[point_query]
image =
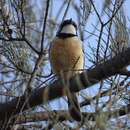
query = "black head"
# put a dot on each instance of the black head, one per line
(68, 22)
(69, 32)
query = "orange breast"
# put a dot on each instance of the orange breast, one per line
(66, 56)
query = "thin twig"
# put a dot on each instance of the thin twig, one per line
(67, 8)
(96, 11)
(113, 15)
(44, 25)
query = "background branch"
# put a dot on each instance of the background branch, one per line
(56, 89)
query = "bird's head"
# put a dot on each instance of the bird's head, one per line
(68, 27)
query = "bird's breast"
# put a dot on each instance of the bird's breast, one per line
(66, 55)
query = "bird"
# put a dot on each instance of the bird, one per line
(67, 59)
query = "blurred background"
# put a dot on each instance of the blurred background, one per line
(27, 28)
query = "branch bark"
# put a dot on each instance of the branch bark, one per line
(62, 115)
(55, 90)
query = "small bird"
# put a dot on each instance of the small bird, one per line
(67, 59)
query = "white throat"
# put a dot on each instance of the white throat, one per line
(69, 29)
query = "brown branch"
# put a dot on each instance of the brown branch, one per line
(62, 115)
(56, 89)
(59, 115)
(125, 73)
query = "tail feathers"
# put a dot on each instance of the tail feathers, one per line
(74, 108)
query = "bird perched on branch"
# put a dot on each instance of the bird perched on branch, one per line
(67, 59)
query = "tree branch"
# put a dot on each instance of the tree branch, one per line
(62, 115)
(56, 89)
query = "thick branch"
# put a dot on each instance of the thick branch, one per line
(56, 89)
(64, 115)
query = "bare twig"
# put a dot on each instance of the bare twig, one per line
(44, 25)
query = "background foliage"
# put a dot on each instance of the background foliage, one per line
(27, 28)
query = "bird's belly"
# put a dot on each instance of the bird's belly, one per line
(66, 57)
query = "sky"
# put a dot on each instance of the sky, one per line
(61, 103)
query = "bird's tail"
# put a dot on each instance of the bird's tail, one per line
(73, 106)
